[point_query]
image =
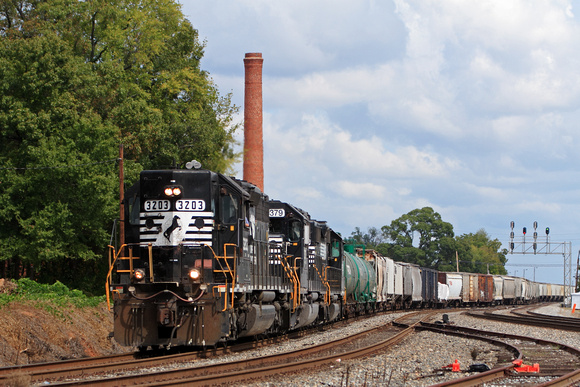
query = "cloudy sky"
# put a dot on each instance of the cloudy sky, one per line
(375, 108)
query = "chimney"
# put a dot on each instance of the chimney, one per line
(253, 144)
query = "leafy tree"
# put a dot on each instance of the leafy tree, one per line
(477, 252)
(76, 79)
(419, 237)
(371, 239)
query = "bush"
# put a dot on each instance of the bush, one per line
(57, 294)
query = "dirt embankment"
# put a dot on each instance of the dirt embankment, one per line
(33, 332)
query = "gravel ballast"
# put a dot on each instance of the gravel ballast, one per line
(418, 360)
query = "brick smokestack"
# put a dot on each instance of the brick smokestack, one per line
(253, 144)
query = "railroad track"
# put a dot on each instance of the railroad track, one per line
(558, 362)
(529, 317)
(75, 368)
(186, 373)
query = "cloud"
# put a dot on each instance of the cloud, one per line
(316, 141)
(357, 190)
(373, 109)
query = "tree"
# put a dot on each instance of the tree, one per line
(478, 253)
(419, 237)
(371, 239)
(76, 79)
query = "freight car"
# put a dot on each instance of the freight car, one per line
(208, 259)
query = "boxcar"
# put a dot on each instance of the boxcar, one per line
(470, 292)
(412, 284)
(454, 282)
(485, 287)
(379, 263)
(519, 289)
(509, 290)
(429, 284)
(497, 289)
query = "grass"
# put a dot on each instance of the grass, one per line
(48, 296)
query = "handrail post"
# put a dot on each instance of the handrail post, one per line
(150, 249)
(107, 283)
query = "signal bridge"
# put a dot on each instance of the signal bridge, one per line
(519, 245)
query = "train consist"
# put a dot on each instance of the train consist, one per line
(209, 259)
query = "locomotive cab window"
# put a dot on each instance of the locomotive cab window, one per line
(229, 208)
(276, 226)
(295, 231)
(134, 208)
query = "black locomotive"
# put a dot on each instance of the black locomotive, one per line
(209, 258)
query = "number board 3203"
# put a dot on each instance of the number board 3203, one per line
(190, 205)
(157, 205)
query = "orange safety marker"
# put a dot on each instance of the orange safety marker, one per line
(573, 308)
(520, 367)
(454, 366)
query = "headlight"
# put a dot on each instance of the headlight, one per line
(139, 275)
(194, 274)
(172, 191)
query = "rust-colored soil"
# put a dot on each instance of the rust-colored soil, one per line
(37, 331)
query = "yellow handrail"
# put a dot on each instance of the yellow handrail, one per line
(298, 298)
(229, 270)
(295, 282)
(290, 274)
(326, 285)
(111, 270)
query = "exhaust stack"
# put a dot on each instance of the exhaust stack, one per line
(253, 143)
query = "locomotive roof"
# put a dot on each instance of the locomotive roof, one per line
(305, 214)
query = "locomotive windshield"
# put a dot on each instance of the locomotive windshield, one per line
(295, 231)
(229, 206)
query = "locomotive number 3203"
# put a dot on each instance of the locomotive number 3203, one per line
(157, 205)
(180, 205)
(190, 205)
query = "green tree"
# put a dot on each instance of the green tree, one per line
(419, 237)
(371, 239)
(76, 79)
(478, 252)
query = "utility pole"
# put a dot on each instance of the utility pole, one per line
(121, 198)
